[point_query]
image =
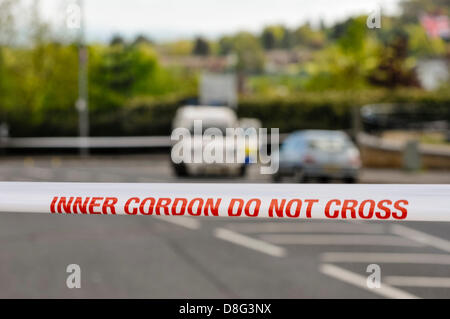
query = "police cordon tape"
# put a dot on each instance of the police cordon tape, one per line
(287, 201)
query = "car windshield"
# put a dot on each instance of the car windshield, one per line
(206, 129)
(328, 143)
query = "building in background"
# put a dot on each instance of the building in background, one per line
(432, 73)
(218, 89)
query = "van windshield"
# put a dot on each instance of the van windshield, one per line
(222, 127)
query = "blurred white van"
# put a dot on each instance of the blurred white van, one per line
(211, 117)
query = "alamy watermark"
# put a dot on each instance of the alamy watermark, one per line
(374, 279)
(229, 145)
(74, 279)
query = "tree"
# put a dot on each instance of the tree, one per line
(287, 41)
(142, 39)
(117, 40)
(276, 37)
(201, 47)
(6, 36)
(268, 39)
(306, 36)
(225, 45)
(179, 47)
(392, 70)
(249, 53)
(346, 64)
(338, 30)
(421, 45)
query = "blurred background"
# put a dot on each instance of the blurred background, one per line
(91, 90)
(97, 68)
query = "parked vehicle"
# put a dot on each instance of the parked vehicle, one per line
(319, 154)
(212, 117)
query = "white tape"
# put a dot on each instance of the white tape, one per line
(287, 201)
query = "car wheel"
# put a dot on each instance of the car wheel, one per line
(276, 178)
(242, 170)
(300, 176)
(350, 180)
(180, 170)
(305, 179)
(324, 179)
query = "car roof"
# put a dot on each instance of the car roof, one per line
(194, 111)
(212, 116)
(311, 134)
(206, 112)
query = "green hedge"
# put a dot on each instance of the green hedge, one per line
(139, 116)
(152, 116)
(333, 110)
(143, 116)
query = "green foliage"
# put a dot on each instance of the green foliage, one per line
(201, 47)
(420, 45)
(177, 48)
(304, 36)
(131, 93)
(225, 45)
(332, 109)
(276, 85)
(249, 53)
(276, 37)
(325, 110)
(346, 64)
(393, 69)
(40, 86)
(148, 116)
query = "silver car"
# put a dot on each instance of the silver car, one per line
(319, 154)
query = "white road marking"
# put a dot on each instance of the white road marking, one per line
(360, 281)
(407, 281)
(394, 258)
(181, 221)
(421, 237)
(274, 227)
(350, 240)
(249, 242)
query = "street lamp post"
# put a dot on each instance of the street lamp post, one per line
(82, 104)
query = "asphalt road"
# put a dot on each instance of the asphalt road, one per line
(182, 257)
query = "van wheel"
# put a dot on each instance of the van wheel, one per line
(324, 179)
(350, 180)
(242, 171)
(304, 179)
(276, 178)
(180, 170)
(300, 176)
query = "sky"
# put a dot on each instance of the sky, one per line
(172, 19)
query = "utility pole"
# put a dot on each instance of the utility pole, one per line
(82, 104)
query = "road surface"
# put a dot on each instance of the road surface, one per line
(182, 257)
